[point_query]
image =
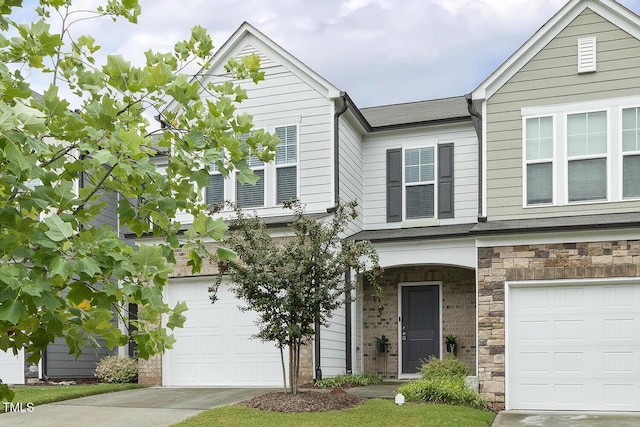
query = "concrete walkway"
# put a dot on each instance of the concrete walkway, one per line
(157, 407)
(566, 419)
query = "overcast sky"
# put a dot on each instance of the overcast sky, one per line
(379, 51)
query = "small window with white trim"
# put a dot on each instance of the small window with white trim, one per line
(252, 195)
(631, 152)
(419, 180)
(539, 147)
(587, 156)
(286, 163)
(214, 193)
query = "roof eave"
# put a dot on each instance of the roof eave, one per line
(443, 121)
(609, 9)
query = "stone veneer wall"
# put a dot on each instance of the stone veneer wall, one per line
(150, 371)
(535, 262)
(458, 314)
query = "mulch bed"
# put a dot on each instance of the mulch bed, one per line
(307, 401)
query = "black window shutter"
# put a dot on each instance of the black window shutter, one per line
(445, 181)
(394, 185)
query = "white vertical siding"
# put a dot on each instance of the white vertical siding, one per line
(465, 170)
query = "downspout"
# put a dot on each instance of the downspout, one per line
(332, 209)
(476, 118)
(336, 152)
(347, 320)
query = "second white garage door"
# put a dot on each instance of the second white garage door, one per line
(574, 347)
(215, 348)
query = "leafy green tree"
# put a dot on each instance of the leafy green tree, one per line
(61, 276)
(293, 282)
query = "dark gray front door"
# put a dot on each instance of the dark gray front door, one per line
(420, 322)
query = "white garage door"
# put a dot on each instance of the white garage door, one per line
(12, 367)
(215, 347)
(574, 347)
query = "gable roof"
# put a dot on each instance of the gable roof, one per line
(247, 34)
(608, 9)
(430, 112)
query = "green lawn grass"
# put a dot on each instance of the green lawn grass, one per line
(47, 394)
(374, 412)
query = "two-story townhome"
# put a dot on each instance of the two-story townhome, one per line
(398, 163)
(507, 218)
(558, 242)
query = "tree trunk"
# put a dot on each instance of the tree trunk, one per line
(291, 377)
(284, 370)
(298, 347)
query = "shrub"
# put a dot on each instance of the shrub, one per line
(349, 380)
(116, 369)
(443, 382)
(447, 390)
(446, 367)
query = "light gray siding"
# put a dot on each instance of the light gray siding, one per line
(551, 78)
(333, 350)
(351, 169)
(465, 142)
(286, 97)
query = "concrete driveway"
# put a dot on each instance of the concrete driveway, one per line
(566, 419)
(157, 407)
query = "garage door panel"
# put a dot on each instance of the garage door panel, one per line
(619, 362)
(568, 394)
(616, 329)
(216, 348)
(621, 397)
(532, 362)
(569, 362)
(580, 352)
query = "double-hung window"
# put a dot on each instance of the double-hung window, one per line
(277, 181)
(631, 152)
(248, 195)
(586, 152)
(587, 148)
(419, 179)
(286, 163)
(214, 194)
(539, 160)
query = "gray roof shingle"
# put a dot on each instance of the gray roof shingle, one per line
(421, 112)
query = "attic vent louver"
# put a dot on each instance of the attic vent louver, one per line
(587, 55)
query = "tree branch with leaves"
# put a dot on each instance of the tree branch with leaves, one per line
(295, 281)
(62, 275)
